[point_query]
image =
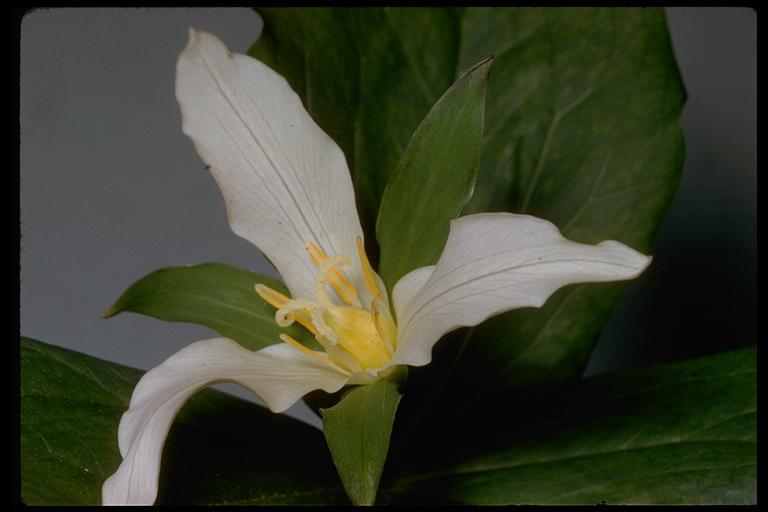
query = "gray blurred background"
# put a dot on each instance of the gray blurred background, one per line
(112, 190)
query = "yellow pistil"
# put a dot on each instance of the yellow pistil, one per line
(358, 335)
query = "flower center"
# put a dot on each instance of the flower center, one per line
(357, 333)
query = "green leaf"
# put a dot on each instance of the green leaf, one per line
(367, 76)
(221, 450)
(434, 179)
(582, 128)
(218, 296)
(678, 433)
(357, 430)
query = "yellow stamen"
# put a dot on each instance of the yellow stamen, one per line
(311, 353)
(273, 297)
(354, 337)
(341, 284)
(278, 300)
(316, 253)
(368, 274)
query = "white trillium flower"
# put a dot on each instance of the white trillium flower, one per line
(289, 192)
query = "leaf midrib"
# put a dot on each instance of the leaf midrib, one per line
(512, 465)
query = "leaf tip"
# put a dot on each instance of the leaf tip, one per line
(112, 311)
(480, 69)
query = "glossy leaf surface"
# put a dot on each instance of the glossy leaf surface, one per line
(678, 433)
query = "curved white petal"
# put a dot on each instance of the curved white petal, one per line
(407, 289)
(494, 262)
(285, 182)
(279, 374)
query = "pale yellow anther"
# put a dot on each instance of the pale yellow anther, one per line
(316, 253)
(338, 280)
(278, 301)
(368, 274)
(311, 353)
(273, 297)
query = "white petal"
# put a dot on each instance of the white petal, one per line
(285, 182)
(279, 374)
(407, 289)
(494, 262)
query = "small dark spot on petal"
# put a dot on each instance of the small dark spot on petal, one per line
(207, 167)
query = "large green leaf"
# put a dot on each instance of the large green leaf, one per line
(582, 128)
(434, 179)
(357, 430)
(221, 450)
(679, 433)
(675, 434)
(218, 296)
